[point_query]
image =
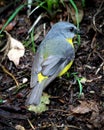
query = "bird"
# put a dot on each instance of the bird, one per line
(52, 59)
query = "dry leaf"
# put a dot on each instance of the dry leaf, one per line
(85, 107)
(95, 119)
(19, 127)
(16, 51)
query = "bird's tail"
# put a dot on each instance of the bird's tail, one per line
(35, 95)
(36, 92)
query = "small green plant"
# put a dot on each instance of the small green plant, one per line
(83, 3)
(79, 83)
(51, 6)
(77, 79)
(12, 17)
(32, 41)
(77, 18)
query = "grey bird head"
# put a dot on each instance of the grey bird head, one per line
(65, 29)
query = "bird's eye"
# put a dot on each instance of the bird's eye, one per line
(71, 29)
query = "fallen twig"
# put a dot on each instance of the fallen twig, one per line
(10, 74)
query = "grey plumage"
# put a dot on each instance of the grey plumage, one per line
(53, 54)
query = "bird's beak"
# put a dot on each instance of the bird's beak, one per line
(78, 32)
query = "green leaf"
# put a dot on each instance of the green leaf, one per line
(42, 106)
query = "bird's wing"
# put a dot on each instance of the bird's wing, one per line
(51, 65)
